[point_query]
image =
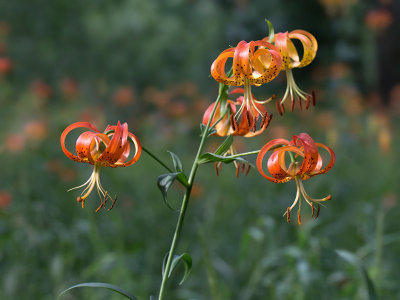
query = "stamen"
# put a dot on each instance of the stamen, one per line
(254, 123)
(313, 98)
(248, 118)
(288, 215)
(80, 199)
(113, 203)
(298, 217)
(242, 168)
(301, 103)
(264, 118)
(278, 107)
(308, 101)
(317, 212)
(268, 121)
(283, 108)
(312, 210)
(216, 168)
(248, 170)
(292, 106)
(237, 170)
(234, 123)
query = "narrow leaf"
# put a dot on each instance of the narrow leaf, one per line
(211, 131)
(271, 31)
(165, 181)
(225, 146)
(211, 157)
(176, 161)
(111, 287)
(186, 259)
(355, 261)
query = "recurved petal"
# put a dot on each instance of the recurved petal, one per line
(67, 131)
(267, 147)
(309, 43)
(331, 160)
(218, 68)
(138, 151)
(310, 152)
(241, 61)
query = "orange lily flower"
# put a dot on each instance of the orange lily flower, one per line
(290, 60)
(225, 123)
(302, 146)
(108, 149)
(253, 63)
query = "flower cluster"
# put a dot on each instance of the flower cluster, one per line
(251, 64)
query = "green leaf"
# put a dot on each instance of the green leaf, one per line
(186, 259)
(224, 146)
(355, 261)
(271, 31)
(177, 162)
(211, 131)
(165, 181)
(212, 157)
(111, 287)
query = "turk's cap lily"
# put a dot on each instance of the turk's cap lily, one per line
(254, 63)
(302, 147)
(290, 56)
(283, 41)
(239, 117)
(108, 149)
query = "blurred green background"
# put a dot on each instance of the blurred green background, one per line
(148, 63)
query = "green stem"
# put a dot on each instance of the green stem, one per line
(186, 197)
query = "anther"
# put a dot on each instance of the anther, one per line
(288, 215)
(317, 212)
(216, 168)
(80, 199)
(237, 170)
(234, 123)
(312, 210)
(268, 121)
(248, 118)
(255, 123)
(308, 101)
(292, 106)
(298, 217)
(282, 108)
(313, 98)
(248, 170)
(301, 103)
(113, 203)
(243, 166)
(278, 108)
(264, 118)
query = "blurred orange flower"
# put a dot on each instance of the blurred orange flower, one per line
(69, 88)
(5, 199)
(5, 65)
(123, 96)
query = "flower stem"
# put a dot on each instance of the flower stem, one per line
(186, 197)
